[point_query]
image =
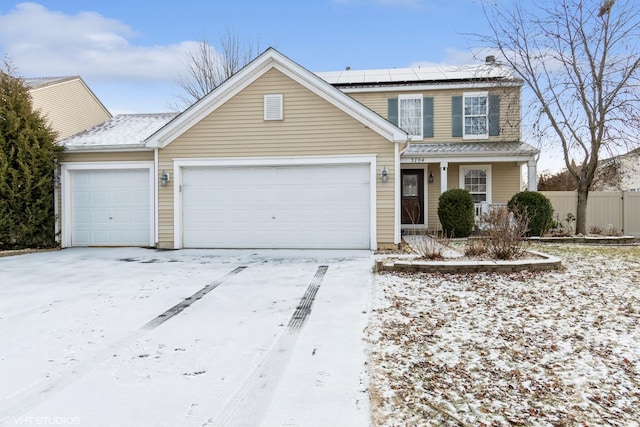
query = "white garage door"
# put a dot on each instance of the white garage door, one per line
(110, 207)
(325, 206)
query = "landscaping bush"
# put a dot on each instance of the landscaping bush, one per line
(456, 212)
(538, 209)
(505, 233)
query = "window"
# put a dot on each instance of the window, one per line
(410, 114)
(477, 180)
(476, 115)
(273, 107)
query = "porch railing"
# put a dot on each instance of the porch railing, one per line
(483, 208)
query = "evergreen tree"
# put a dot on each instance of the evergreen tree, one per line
(28, 158)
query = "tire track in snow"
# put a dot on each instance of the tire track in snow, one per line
(30, 397)
(250, 402)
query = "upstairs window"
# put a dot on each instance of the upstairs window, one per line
(410, 114)
(413, 114)
(476, 115)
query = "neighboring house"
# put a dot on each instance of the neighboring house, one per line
(619, 173)
(279, 157)
(67, 103)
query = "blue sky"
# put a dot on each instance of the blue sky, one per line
(131, 53)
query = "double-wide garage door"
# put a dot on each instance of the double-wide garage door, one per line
(318, 206)
(110, 207)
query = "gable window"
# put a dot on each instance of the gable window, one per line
(410, 114)
(273, 107)
(476, 115)
(477, 181)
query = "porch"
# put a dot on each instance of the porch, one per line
(491, 172)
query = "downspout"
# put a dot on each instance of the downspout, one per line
(397, 202)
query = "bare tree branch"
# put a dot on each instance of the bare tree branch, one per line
(209, 66)
(581, 61)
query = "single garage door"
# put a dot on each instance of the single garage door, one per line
(110, 207)
(324, 206)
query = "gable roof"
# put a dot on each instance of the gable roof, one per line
(38, 82)
(272, 59)
(122, 132)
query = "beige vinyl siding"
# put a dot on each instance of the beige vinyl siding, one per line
(70, 107)
(130, 156)
(505, 182)
(509, 111)
(311, 127)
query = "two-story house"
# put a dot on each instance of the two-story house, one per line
(280, 157)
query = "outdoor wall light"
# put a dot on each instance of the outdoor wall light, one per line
(164, 179)
(384, 174)
(430, 177)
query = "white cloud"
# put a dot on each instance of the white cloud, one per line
(40, 41)
(454, 56)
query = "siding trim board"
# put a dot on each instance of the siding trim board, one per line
(179, 164)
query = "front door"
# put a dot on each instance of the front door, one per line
(412, 196)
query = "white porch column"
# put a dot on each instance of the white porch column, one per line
(532, 176)
(443, 176)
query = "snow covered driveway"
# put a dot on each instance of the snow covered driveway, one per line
(138, 337)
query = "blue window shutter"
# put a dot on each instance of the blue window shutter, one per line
(427, 117)
(494, 115)
(392, 110)
(456, 116)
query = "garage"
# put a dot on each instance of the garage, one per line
(325, 206)
(108, 207)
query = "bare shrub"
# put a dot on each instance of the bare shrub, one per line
(506, 233)
(426, 245)
(609, 231)
(596, 229)
(475, 248)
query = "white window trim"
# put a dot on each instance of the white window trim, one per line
(466, 95)
(270, 98)
(419, 97)
(487, 169)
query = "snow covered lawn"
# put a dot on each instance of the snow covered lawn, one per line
(79, 342)
(532, 349)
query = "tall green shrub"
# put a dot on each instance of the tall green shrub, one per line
(537, 207)
(28, 155)
(456, 212)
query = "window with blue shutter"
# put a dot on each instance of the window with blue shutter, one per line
(392, 110)
(427, 117)
(494, 115)
(456, 116)
(475, 115)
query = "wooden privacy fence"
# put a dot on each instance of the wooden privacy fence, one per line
(619, 209)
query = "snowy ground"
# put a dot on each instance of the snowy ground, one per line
(79, 344)
(530, 349)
